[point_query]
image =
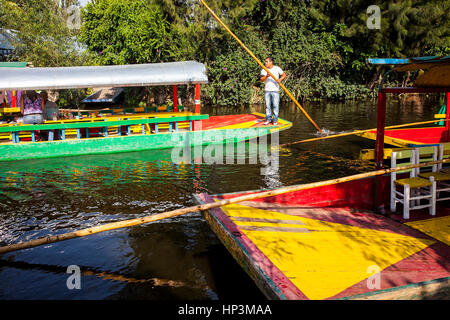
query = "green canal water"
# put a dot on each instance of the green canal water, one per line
(173, 259)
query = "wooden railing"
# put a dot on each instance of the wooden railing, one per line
(129, 110)
(102, 128)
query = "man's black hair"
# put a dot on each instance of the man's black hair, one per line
(270, 58)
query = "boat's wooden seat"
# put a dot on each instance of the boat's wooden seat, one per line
(438, 176)
(445, 170)
(416, 182)
(442, 178)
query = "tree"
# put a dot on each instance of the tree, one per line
(41, 34)
(408, 29)
(233, 75)
(197, 32)
(129, 31)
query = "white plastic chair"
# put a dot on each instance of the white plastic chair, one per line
(411, 191)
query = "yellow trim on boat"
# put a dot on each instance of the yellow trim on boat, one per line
(388, 140)
(241, 125)
(282, 124)
(10, 110)
(369, 154)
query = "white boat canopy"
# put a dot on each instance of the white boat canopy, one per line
(132, 75)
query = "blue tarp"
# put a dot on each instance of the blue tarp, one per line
(398, 61)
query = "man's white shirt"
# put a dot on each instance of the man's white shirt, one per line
(272, 85)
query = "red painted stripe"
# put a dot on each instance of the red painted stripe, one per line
(222, 121)
(422, 135)
(352, 194)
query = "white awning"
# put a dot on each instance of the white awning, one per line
(133, 75)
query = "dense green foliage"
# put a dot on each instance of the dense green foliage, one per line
(321, 45)
(121, 32)
(408, 29)
(42, 35)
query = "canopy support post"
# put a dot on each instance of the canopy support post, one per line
(197, 124)
(381, 121)
(379, 150)
(175, 99)
(197, 98)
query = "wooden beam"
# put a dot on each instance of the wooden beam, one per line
(197, 124)
(175, 99)
(379, 150)
(98, 124)
(197, 98)
(381, 121)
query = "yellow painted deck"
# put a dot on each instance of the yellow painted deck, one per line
(321, 258)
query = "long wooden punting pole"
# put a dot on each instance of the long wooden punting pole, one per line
(262, 65)
(361, 131)
(203, 207)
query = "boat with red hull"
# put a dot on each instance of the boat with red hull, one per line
(338, 240)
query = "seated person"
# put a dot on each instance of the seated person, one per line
(32, 106)
(51, 109)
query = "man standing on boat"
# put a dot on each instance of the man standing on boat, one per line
(272, 90)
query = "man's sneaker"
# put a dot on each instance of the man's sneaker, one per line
(266, 123)
(275, 123)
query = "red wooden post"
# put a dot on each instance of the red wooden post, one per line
(381, 121)
(197, 98)
(379, 151)
(175, 99)
(197, 124)
(13, 99)
(447, 117)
